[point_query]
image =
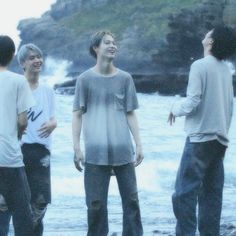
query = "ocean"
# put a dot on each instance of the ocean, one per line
(162, 144)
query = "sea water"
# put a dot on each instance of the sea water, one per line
(162, 144)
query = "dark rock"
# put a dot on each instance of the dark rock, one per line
(157, 41)
(164, 84)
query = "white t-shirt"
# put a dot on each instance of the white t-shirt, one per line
(42, 112)
(15, 98)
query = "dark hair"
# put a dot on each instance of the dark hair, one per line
(7, 50)
(96, 40)
(224, 42)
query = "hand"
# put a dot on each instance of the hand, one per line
(46, 129)
(139, 156)
(79, 160)
(171, 118)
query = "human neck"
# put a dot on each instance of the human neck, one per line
(33, 80)
(207, 52)
(105, 67)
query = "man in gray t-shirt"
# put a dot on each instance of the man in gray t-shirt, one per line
(105, 100)
(208, 108)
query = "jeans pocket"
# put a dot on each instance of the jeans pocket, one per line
(119, 101)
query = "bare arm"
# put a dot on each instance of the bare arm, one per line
(22, 123)
(133, 125)
(76, 132)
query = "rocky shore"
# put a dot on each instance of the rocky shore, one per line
(157, 40)
(168, 84)
(226, 230)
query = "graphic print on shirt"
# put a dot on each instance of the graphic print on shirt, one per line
(32, 114)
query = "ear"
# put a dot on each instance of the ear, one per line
(22, 65)
(95, 49)
(211, 41)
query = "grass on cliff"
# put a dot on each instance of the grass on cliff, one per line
(229, 14)
(148, 17)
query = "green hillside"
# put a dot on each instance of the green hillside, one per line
(149, 17)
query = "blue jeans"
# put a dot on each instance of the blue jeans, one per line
(15, 191)
(37, 169)
(200, 180)
(96, 181)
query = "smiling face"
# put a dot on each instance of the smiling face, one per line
(107, 48)
(33, 63)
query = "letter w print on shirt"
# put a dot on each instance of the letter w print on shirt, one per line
(32, 115)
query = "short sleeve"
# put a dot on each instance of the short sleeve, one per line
(25, 98)
(80, 98)
(131, 96)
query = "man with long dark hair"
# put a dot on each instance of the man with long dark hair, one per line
(208, 108)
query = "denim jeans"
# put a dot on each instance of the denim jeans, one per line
(5, 217)
(14, 190)
(37, 167)
(96, 181)
(200, 180)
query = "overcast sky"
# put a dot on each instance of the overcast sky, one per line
(11, 11)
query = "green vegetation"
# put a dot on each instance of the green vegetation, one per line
(229, 14)
(147, 17)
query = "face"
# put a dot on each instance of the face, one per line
(33, 63)
(208, 41)
(107, 47)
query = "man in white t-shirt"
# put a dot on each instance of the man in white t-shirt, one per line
(15, 99)
(36, 141)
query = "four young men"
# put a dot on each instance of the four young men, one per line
(108, 93)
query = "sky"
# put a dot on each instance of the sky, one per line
(12, 11)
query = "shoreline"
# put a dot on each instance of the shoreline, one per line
(165, 84)
(226, 230)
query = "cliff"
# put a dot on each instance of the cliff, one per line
(156, 39)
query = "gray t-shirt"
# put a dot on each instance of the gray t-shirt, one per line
(105, 101)
(208, 106)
